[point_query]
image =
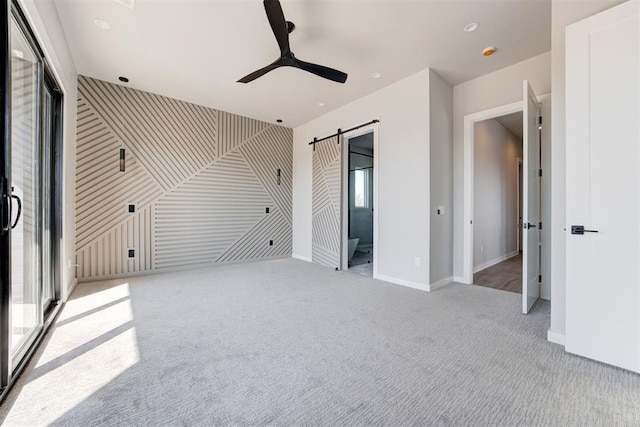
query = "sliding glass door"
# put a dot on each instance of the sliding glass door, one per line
(48, 200)
(26, 239)
(30, 205)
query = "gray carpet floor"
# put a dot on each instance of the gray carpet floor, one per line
(287, 342)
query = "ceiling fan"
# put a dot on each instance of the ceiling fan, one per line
(281, 29)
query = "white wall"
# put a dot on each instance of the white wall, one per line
(403, 172)
(563, 13)
(441, 145)
(495, 186)
(44, 21)
(499, 88)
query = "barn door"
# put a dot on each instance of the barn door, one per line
(326, 208)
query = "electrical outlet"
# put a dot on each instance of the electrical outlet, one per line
(440, 210)
(416, 261)
(266, 210)
(270, 242)
(132, 253)
(132, 208)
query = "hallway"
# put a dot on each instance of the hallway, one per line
(506, 276)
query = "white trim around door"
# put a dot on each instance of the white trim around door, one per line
(372, 128)
(469, 124)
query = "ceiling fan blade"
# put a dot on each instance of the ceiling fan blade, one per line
(259, 73)
(322, 71)
(278, 24)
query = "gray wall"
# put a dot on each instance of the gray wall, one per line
(441, 170)
(495, 202)
(496, 89)
(403, 158)
(200, 179)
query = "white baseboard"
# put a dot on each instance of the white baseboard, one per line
(301, 258)
(156, 271)
(440, 283)
(555, 337)
(71, 288)
(458, 279)
(495, 261)
(402, 282)
(544, 294)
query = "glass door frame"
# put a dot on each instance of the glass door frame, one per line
(54, 169)
(10, 371)
(5, 178)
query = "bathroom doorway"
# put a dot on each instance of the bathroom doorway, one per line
(360, 186)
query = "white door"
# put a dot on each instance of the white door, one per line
(531, 200)
(603, 187)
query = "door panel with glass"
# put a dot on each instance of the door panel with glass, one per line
(30, 205)
(25, 187)
(47, 207)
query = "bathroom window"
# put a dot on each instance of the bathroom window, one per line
(362, 188)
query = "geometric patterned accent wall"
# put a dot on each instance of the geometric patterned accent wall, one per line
(327, 173)
(200, 180)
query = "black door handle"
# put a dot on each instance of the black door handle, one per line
(528, 225)
(580, 230)
(15, 223)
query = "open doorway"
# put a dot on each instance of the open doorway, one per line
(360, 199)
(530, 109)
(497, 193)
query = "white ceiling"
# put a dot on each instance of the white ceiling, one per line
(513, 123)
(195, 50)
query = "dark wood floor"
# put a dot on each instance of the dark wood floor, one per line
(506, 276)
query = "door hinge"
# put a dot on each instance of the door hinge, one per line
(540, 278)
(539, 120)
(540, 225)
(539, 172)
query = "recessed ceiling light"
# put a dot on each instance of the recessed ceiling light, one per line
(123, 79)
(320, 104)
(488, 51)
(470, 27)
(376, 75)
(104, 25)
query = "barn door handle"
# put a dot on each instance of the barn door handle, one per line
(580, 230)
(15, 223)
